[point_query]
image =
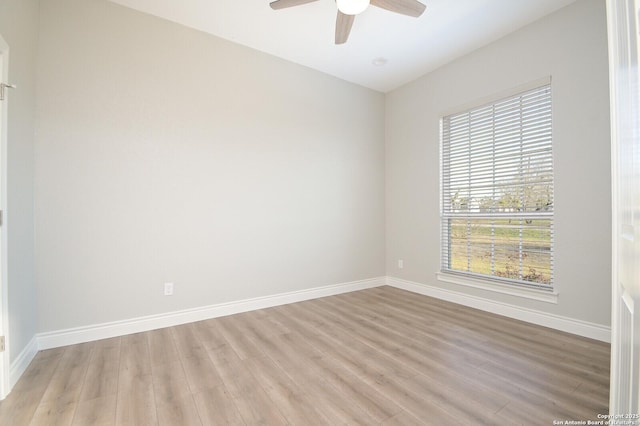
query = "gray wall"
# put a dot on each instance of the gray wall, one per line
(165, 154)
(19, 28)
(571, 46)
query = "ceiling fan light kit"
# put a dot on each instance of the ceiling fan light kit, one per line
(352, 7)
(348, 9)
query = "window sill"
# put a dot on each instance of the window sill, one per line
(519, 291)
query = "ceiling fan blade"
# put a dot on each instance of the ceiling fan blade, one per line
(282, 4)
(404, 7)
(343, 27)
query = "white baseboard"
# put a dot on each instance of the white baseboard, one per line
(72, 336)
(570, 325)
(54, 339)
(20, 364)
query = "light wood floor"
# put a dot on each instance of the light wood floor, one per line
(375, 357)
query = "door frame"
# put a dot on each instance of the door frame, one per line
(5, 366)
(625, 340)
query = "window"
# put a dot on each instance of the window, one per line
(497, 190)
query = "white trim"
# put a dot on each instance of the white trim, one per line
(541, 295)
(570, 325)
(20, 364)
(5, 368)
(76, 335)
(496, 97)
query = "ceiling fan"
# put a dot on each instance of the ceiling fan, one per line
(348, 9)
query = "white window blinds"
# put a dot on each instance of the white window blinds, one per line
(497, 190)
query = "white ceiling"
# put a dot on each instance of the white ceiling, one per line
(305, 34)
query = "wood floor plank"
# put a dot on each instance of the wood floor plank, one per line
(101, 379)
(442, 372)
(226, 362)
(402, 419)
(209, 334)
(135, 358)
(19, 407)
(335, 407)
(272, 324)
(187, 341)
(169, 381)
(294, 363)
(381, 356)
(40, 370)
(467, 411)
(232, 330)
(557, 383)
(179, 409)
(257, 323)
(100, 411)
(21, 404)
(254, 405)
(547, 386)
(303, 362)
(517, 413)
(361, 359)
(402, 332)
(200, 373)
(371, 339)
(292, 321)
(54, 412)
(288, 396)
(551, 343)
(136, 400)
(380, 407)
(555, 370)
(216, 407)
(65, 386)
(300, 314)
(413, 402)
(135, 403)
(162, 348)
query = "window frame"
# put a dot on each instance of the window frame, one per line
(531, 289)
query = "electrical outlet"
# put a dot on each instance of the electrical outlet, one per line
(168, 289)
(400, 263)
